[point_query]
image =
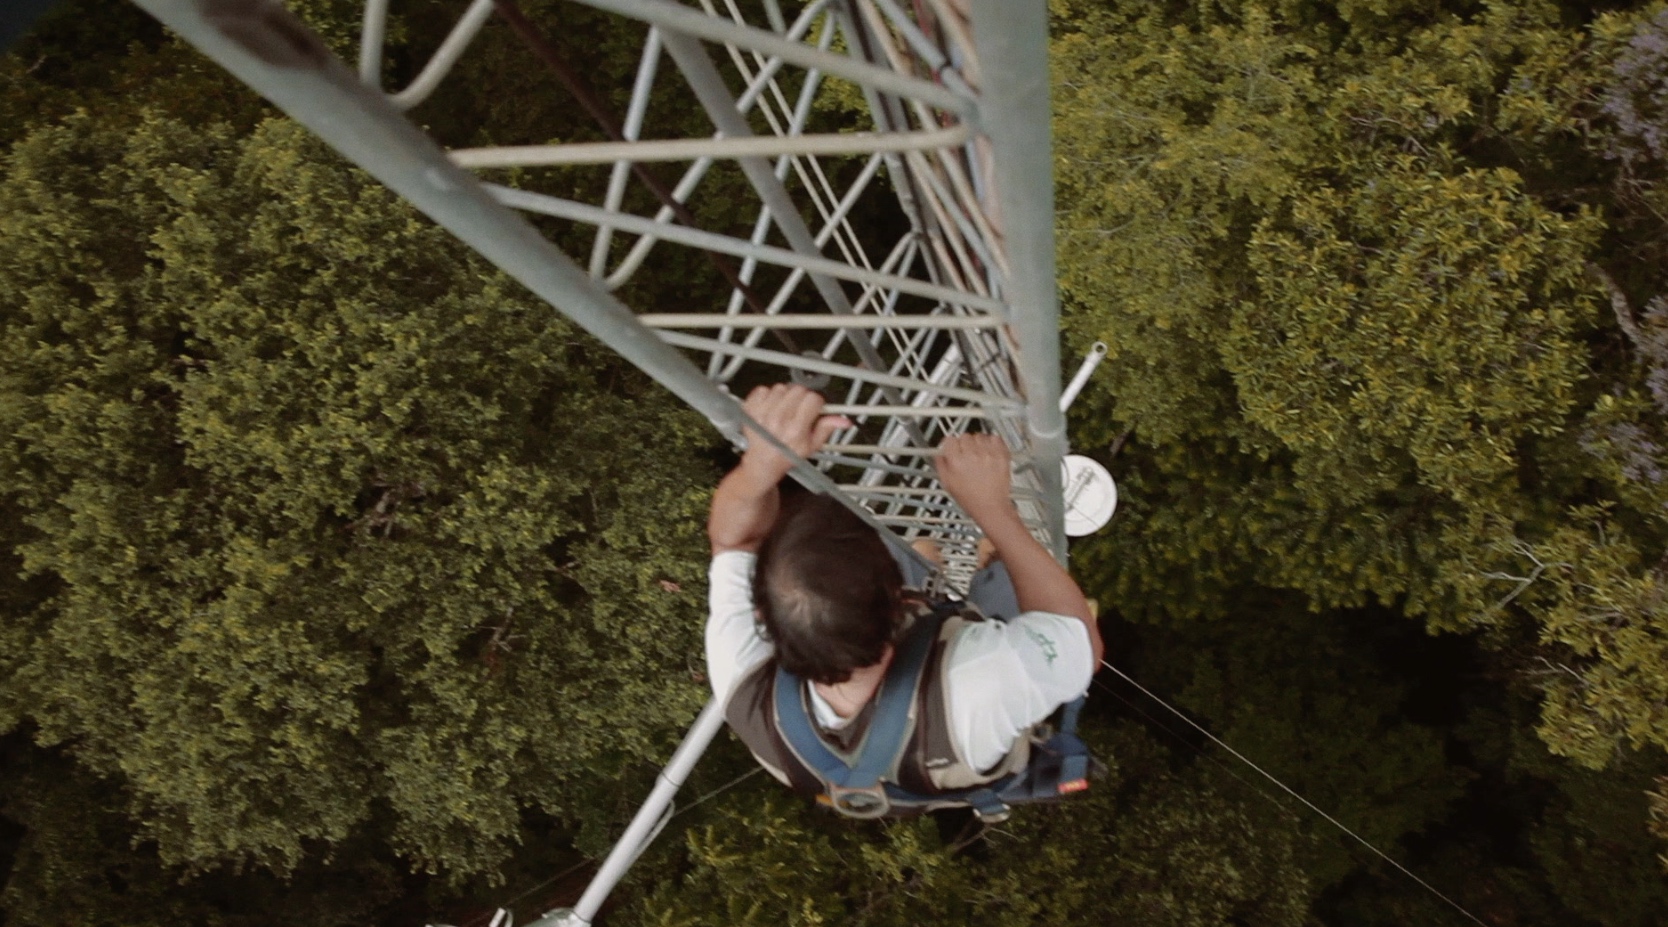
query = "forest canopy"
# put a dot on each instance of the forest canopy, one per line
(327, 599)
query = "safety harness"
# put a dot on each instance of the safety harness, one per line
(865, 784)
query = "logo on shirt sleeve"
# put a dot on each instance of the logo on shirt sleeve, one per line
(1043, 642)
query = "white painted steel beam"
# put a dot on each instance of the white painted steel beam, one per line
(889, 322)
(689, 149)
(675, 17)
(807, 260)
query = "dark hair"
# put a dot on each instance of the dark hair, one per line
(829, 592)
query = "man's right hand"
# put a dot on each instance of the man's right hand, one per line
(977, 471)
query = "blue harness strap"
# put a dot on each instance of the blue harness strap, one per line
(855, 788)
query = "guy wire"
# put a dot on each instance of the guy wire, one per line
(1289, 791)
(1272, 799)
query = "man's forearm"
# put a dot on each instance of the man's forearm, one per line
(743, 510)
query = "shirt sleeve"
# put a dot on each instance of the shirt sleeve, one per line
(1005, 676)
(732, 638)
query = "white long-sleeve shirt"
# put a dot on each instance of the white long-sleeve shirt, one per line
(1001, 677)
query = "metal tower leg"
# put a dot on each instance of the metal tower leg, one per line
(645, 826)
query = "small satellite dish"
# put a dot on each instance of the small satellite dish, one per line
(1091, 495)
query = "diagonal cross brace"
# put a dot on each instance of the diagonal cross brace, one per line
(709, 88)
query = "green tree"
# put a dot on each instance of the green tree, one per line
(327, 569)
(324, 521)
(1349, 263)
(1304, 695)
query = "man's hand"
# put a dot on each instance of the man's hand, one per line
(793, 414)
(744, 506)
(977, 471)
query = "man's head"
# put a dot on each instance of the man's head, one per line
(829, 594)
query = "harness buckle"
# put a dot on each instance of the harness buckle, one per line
(863, 803)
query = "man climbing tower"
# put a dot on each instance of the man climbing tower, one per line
(808, 588)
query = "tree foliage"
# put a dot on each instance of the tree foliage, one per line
(1353, 270)
(329, 576)
(326, 518)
